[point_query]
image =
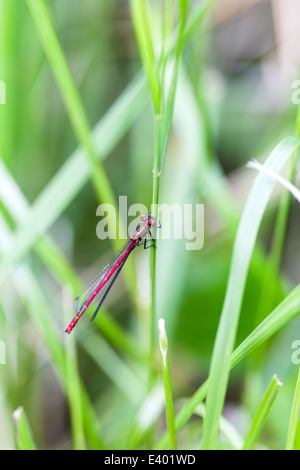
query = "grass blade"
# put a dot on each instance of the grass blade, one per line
(226, 428)
(243, 247)
(146, 417)
(162, 129)
(142, 30)
(9, 36)
(115, 368)
(281, 315)
(294, 418)
(33, 297)
(163, 345)
(262, 412)
(73, 389)
(165, 122)
(70, 96)
(24, 439)
(72, 176)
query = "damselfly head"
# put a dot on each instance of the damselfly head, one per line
(148, 219)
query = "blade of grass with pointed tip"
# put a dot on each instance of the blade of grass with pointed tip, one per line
(283, 313)
(242, 251)
(162, 130)
(268, 288)
(262, 413)
(24, 437)
(294, 417)
(163, 345)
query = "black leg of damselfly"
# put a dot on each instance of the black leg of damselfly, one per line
(144, 242)
(152, 243)
(152, 238)
(108, 289)
(158, 226)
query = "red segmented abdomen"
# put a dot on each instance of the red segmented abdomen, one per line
(72, 324)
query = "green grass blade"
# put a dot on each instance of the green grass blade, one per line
(268, 288)
(24, 439)
(262, 412)
(37, 307)
(119, 338)
(294, 417)
(198, 15)
(282, 314)
(243, 247)
(104, 356)
(163, 345)
(75, 172)
(72, 176)
(165, 122)
(146, 417)
(115, 368)
(196, 18)
(9, 66)
(71, 97)
(145, 43)
(34, 301)
(73, 388)
(226, 428)
(162, 129)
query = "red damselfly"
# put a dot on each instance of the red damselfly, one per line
(105, 279)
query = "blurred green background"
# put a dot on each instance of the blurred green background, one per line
(233, 103)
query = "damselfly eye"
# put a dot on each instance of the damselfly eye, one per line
(145, 217)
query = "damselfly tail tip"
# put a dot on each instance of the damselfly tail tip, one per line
(69, 329)
(72, 324)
